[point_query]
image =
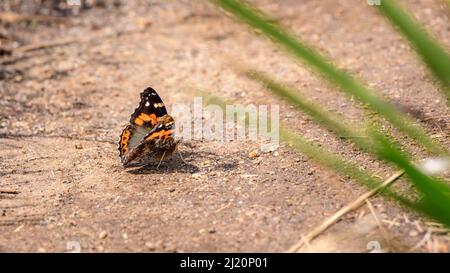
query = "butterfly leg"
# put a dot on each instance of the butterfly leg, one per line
(161, 159)
(181, 157)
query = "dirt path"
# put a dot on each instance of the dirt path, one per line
(62, 110)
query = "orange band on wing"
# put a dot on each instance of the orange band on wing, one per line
(145, 118)
(139, 121)
(163, 134)
(124, 140)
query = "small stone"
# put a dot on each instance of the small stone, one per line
(18, 78)
(64, 66)
(144, 22)
(87, 116)
(103, 235)
(413, 233)
(253, 154)
(170, 247)
(205, 163)
(171, 189)
(212, 231)
(150, 246)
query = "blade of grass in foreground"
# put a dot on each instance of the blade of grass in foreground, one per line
(316, 112)
(436, 195)
(336, 76)
(319, 154)
(435, 201)
(433, 54)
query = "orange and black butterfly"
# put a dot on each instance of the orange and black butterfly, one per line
(149, 137)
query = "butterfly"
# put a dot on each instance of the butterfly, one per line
(149, 137)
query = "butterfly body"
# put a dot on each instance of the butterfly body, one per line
(149, 137)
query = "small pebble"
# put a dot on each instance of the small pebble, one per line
(153, 246)
(253, 154)
(150, 246)
(103, 235)
(41, 250)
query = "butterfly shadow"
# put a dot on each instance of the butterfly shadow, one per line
(177, 164)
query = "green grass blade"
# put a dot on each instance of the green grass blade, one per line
(346, 82)
(333, 123)
(436, 195)
(431, 52)
(320, 155)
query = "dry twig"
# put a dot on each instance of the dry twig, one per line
(384, 232)
(5, 191)
(11, 17)
(344, 210)
(32, 47)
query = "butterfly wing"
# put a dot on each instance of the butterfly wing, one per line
(130, 138)
(157, 145)
(150, 109)
(142, 122)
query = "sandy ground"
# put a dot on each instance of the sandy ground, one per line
(62, 110)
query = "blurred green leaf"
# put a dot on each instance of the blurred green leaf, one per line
(320, 155)
(334, 123)
(435, 200)
(346, 82)
(433, 54)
